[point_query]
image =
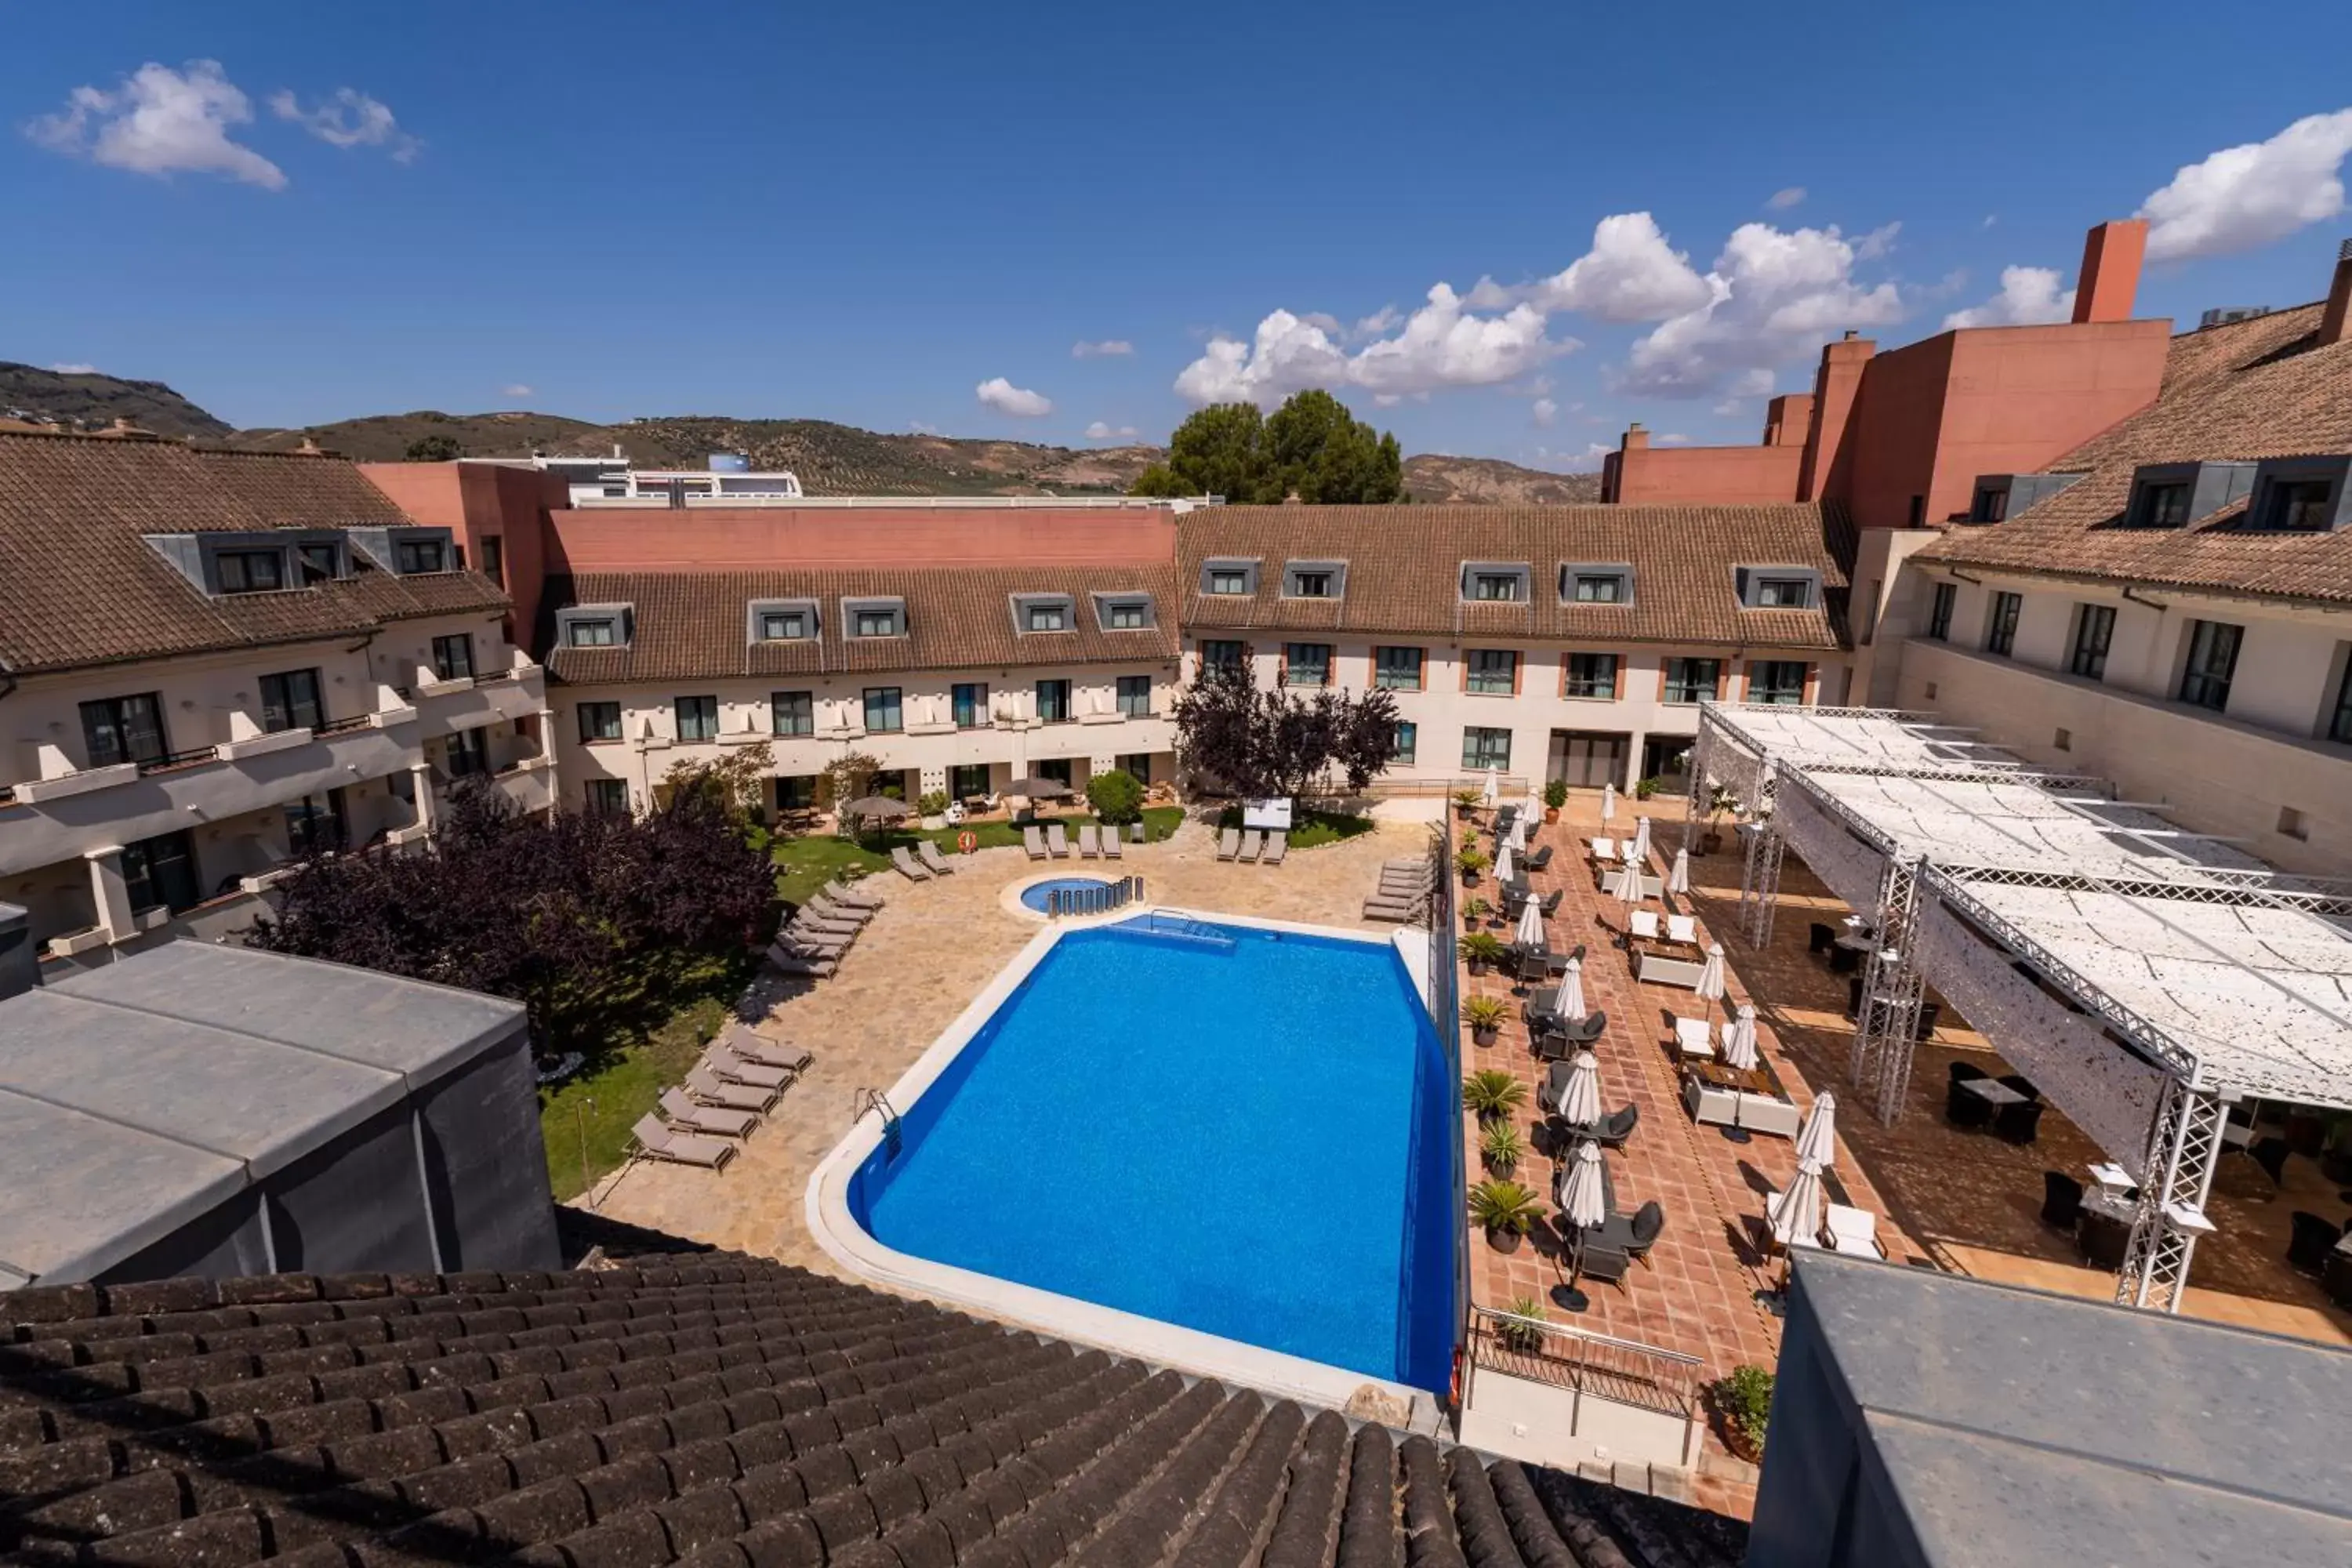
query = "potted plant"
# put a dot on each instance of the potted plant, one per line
(1470, 860)
(934, 808)
(1501, 1148)
(1474, 910)
(1744, 1403)
(1644, 788)
(1522, 1331)
(1466, 801)
(1721, 801)
(1493, 1093)
(1485, 1015)
(1507, 1210)
(1482, 947)
(1555, 796)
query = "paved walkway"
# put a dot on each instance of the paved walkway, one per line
(916, 966)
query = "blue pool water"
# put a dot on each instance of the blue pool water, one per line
(1034, 896)
(1248, 1137)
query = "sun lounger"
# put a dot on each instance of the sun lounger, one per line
(1683, 928)
(1057, 841)
(1278, 845)
(824, 928)
(1089, 841)
(733, 1069)
(1110, 849)
(1229, 844)
(855, 897)
(830, 943)
(705, 1086)
(790, 944)
(756, 1048)
(656, 1142)
(717, 1120)
(907, 865)
(1644, 923)
(1032, 839)
(933, 862)
(786, 962)
(1253, 845)
(1397, 914)
(849, 915)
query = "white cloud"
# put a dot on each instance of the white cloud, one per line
(2248, 195)
(1543, 411)
(1018, 401)
(1630, 274)
(1773, 294)
(75, 369)
(1379, 322)
(1584, 462)
(1782, 200)
(1108, 348)
(348, 118)
(2029, 297)
(1099, 431)
(514, 389)
(918, 427)
(1676, 439)
(1878, 242)
(1442, 345)
(161, 121)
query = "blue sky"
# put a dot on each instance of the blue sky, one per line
(910, 217)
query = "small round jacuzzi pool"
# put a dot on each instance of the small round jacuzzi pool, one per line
(1037, 895)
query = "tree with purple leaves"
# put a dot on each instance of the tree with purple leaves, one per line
(1263, 744)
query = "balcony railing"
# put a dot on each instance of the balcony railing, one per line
(171, 762)
(1626, 1372)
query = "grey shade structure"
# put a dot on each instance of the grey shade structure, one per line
(216, 1110)
(1926, 1420)
(1037, 789)
(879, 806)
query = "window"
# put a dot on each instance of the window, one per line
(1408, 739)
(315, 827)
(162, 871)
(698, 718)
(1597, 588)
(2095, 628)
(1593, 675)
(877, 623)
(1215, 655)
(796, 792)
(290, 701)
(601, 633)
(118, 730)
(493, 559)
(608, 797)
(250, 571)
(1055, 768)
(1784, 593)
(1137, 765)
(413, 555)
(882, 712)
(792, 713)
(468, 754)
(1127, 616)
(1048, 619)
(1306, 664)
(2299, 504)
(2163, 506)
(2212, 661)
(1229, 580)
(1310, 584)
(1054, 702)
(1939, 613)
(2339, 719)
(1493, 671)
(1992, 504)
(1692, 679)
(1777, 681)
(968, 702)
(453, 656)
(1396, 669)
(600, 721)
(1496, 585)
(2000, 631)
(1483, 749)
(319, 562)
(1135, 695)
(784, 626)
(968, 781)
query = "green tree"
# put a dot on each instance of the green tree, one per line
(1311, 446)
(1116, 795)
(434, 448)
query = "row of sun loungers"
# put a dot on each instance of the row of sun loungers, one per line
(814, 941)
(923, 864)
(1266, 847)
(738, 1081)
(1404, 890)
(1052, 842)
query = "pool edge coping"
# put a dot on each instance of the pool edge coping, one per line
(1110, 1329)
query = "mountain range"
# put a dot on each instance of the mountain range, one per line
(829, 459)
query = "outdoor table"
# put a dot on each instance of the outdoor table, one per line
(1856, 941)
(2110, 1205)
(1992, 1092)
(2112, 1177)
(1654, 967)
(1749, 1100)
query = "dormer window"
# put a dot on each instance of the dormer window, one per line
(1122, 613)
(592, 626)
(2173, 494)
(784, 626)
(319, 562)
(2302, 495)
(1991, 505)
(2163, 506)
(1229, 579)
(413, 556)
(1049, 618)
(875, 617)
(1778, 587)
(250, 571)
(1998, 497)
(781, 620)
(1314, 579)
(877, 623)
(1494, 585)
(1044, 613)
(1604, 584)
(2298, 504)
(1494, 582)
(599, 633)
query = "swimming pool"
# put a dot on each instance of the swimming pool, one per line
(1242, 1132)
(1034, 895)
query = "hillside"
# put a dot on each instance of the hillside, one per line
(831, 459)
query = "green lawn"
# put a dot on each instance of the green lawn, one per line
(806, 864)
(1309, 829)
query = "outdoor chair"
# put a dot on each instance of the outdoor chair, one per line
(1845, 959)
(1229, 844)
(1034, 841)
(1549, 902)
(1962, 1072)
(1683, 928)
(1503, 816)
(1540, 1003)
(786, 961)
(1644, 923)
(1554, 1085)
(856, 898)
(907, 865)
(2311, 1238)
(1612, 1131)
(721, 1059)
(810, 940)
(1057, 841)
(1853, 998)
(2270, 1153)
(1558, 1039)
(933, 862)
(1822, 938)
(2338, 1278)
(1539, 859)
(1530, 963)
(1962, 1109)
(1111, 851)
(2102, 1238)
(825, 927)
(1252, 845)
(1278, 845)
(1089, 841)
(705, 1087)
(2020, 1083)
(656, 1142)
(755, 1047)
(1649, 1223)
(1606, 1264)
(1928, 1012)
(2062, 1200)
(2017, 1123)
(838, 913)
(720, 1122)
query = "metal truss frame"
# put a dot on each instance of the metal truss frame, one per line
(2184, 1147)
(1886, 1026)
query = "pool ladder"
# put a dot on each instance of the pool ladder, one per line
(875, 1101)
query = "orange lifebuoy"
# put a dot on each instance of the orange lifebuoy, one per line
(967, 841)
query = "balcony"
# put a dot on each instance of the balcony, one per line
(471, 702)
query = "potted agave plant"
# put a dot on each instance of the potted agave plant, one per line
(1507, 1210)
(1472, 911)
(1485, 1015)
(1522, 1331)
(1555, 797)
(1483, 949)
(1470, 860)
(1493, 1093)
(1502, 1149)
(1466, 801)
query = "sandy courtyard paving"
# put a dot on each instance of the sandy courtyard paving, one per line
(912, 970)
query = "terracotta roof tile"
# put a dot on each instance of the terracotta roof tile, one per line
(693, 625)
(2253, 390)
(1404, 565)
(80, 586)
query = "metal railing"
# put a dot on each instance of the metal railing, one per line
(171, 762)
(1183, 927)
(1445, 1016)
(1557, 1355)
(1098, 900)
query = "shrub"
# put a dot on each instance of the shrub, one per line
(1471, 860)
(1518, 1331)
(1116, 795)
(934, 802)
(1746, 1400)
(1502, 1147)
(1644, 788)
(1484, 1012)
(1505, 1207)
(1556, 793)
(1492, 1092)
(1481, 947)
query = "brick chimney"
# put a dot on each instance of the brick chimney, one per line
(1789, 419)
(2110, 276)
(2335, 321)
(1836, 385)
(1636, 438)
